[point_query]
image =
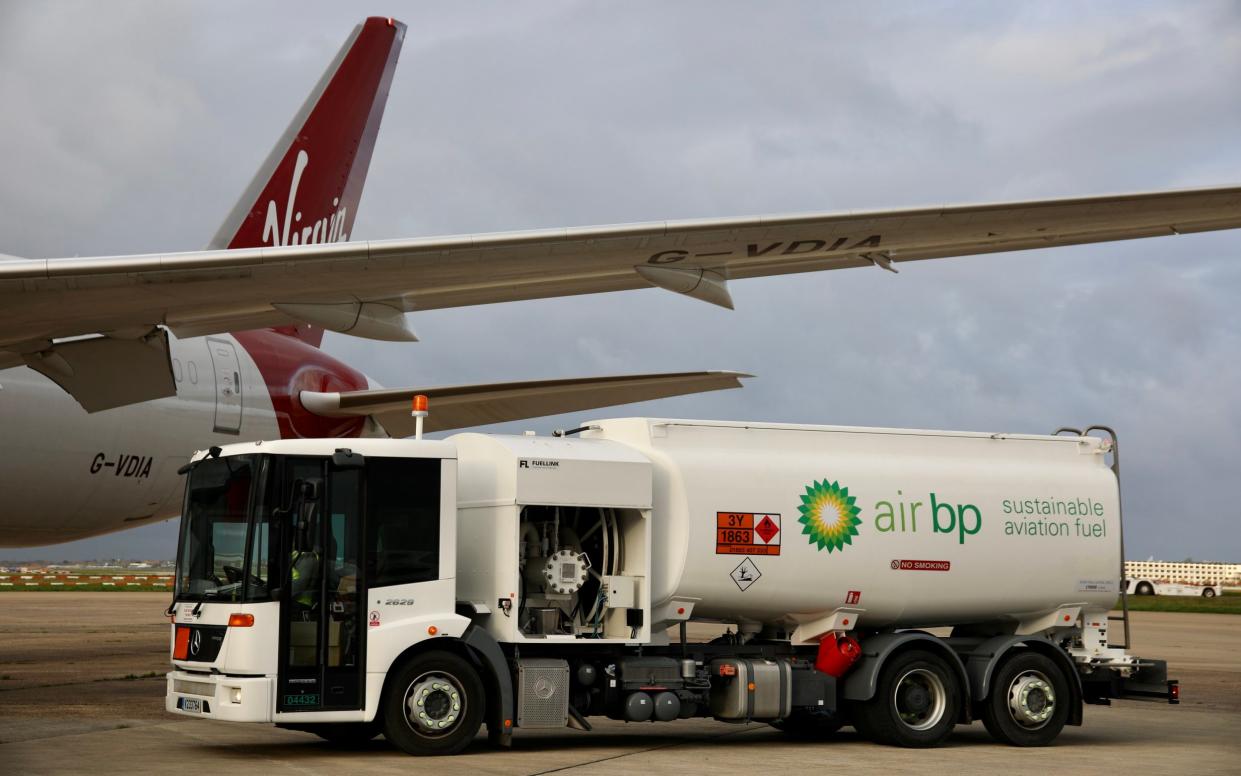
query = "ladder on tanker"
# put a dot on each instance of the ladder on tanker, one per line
(1123, 617)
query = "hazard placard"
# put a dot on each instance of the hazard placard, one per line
(747, 533)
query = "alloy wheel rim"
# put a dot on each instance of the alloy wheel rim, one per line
(434, 703)
(1031, 700)
(920, 699)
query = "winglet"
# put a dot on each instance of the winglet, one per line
(307, 190)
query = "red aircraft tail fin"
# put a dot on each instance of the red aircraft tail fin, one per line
(308, 188)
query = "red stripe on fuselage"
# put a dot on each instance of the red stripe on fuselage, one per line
(290, 366)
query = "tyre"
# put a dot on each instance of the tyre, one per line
(1144, 588)
(916, 704)
(811, 727)
(433, 705)
(1029, 700)
(1208, 592)
(345, 734)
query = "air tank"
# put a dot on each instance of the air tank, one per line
(775, 525)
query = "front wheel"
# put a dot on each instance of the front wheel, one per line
(1145, 588)
(916, 703)
(433, 705)
(1029, 700)
(1208, 593)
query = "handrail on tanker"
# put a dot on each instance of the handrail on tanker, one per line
(1120, 523)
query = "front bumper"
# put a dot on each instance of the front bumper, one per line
(219, 696)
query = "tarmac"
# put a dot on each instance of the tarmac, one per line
(81, 691)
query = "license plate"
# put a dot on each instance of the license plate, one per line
(192, 704)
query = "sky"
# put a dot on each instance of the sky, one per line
(132, 127)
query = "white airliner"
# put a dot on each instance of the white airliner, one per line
(114, 369)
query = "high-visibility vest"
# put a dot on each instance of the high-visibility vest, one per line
(307, 596)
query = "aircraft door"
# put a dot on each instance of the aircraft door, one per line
(228, 399)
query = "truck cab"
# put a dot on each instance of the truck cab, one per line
(329, 556)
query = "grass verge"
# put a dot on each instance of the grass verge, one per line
(1228, 603)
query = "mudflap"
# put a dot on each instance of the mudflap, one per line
(1149, 682)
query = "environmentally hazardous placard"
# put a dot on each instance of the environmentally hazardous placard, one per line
(747, 533)
(746, 574)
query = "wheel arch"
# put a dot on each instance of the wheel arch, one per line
(983, 660)
(483, 652)
(862, 681)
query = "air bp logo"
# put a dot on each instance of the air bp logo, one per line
(829, 515)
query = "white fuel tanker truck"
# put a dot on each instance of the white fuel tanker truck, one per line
(424, 588)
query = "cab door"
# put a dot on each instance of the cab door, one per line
(321, 633)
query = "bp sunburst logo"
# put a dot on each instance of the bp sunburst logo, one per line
(829, 515)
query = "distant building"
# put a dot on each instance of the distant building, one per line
(1184, 573)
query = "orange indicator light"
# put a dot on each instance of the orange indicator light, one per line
(240, 620)
(420, 403)
(432, 630)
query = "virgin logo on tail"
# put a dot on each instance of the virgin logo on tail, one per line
(330, 228)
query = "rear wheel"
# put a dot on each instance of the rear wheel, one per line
(1208, 592)
(433, 705)
(1145, 588)
(1029, 700)
(916, 703)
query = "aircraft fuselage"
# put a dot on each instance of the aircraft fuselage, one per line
(68, 474)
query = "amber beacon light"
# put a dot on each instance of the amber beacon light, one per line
(419, 413)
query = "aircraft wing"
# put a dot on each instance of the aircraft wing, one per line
(463, 406)
(364, 288)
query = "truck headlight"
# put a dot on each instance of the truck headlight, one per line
(234, 694)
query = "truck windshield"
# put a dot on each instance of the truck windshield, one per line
(213, 529)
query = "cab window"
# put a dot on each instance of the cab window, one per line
(402, 520)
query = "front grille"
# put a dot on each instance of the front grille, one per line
(187, 687)
(199, 643)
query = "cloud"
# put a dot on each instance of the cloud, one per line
(142, 132)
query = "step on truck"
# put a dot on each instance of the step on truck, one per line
(899, 581)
